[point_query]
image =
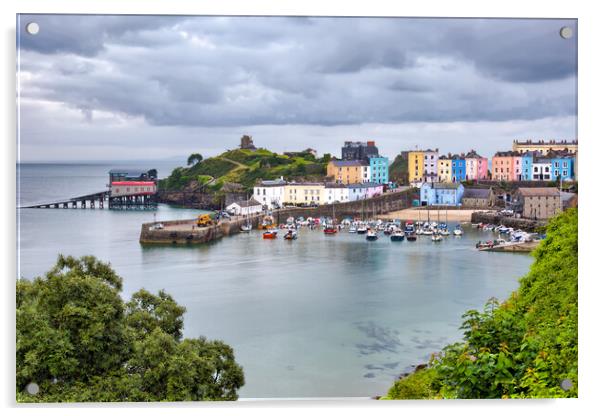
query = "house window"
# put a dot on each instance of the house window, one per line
(564, 173)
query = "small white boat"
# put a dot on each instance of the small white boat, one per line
(371, 235)
(444, 232)
(458, 231)
(353, 229)
(245, 228)
(427, 232)
(436, 237)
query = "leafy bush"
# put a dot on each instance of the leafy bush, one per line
(79, 341)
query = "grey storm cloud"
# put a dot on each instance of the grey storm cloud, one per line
(245, 71)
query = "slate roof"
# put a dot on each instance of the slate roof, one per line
(539, 192)
(445, 185)
(478, 193)
(275, 182)
(342, 163)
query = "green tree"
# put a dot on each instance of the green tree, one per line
(79, 341)
(194, 158)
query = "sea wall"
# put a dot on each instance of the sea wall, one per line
(392, 201)
(186, 231)
(521, 223)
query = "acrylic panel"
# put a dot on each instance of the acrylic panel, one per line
(223, 208)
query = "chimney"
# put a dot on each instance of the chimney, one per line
(371, 143)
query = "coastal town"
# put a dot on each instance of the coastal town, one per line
(459, 180)
(513, 196)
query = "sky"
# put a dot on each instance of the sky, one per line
(162, 87)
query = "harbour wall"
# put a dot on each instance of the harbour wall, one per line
(392, 201)
(521, 223)
(186, 231)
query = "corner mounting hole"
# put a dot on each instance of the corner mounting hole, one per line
(566, 32)
(32, 28)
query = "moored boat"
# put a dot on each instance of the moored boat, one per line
(270, 235)
(411, 236)
(436, 237)
(330, 229)
(397, 235)
(371, 235)
(245, 228)
(290, 235)
(458, 231)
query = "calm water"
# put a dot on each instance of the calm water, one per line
(319, 316)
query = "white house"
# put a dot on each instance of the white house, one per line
(270, 193)
(431, 160)
(541, 170)
(335, 192)
(366, 173)
(357, 191)
(249, 207)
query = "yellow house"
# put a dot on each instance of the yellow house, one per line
(346, 171)
(415, 166)
(304, 193)
(444, 169)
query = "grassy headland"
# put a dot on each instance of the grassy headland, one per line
(245, 167)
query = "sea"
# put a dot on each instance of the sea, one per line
(320, 316)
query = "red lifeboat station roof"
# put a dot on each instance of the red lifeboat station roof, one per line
(132, 183)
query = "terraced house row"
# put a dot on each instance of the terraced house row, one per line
(427, 166)
(534, 165)
(278, 193)
(360, 163)
(527, 161)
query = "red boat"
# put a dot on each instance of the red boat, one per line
(330, 229)
(270, 235)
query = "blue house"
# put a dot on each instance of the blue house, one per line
(458, 170)
(379, 169)
(527, 166)
(441, 193)
(562, 166)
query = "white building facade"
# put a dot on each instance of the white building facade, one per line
(249, 207)
(541, 170)
(431, 158)
(335, 193)
(270, 193)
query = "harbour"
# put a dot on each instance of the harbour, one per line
(320, 316)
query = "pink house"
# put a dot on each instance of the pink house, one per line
(476, 166)
(501, 165)
(507, 166)
(517, 167)
(373, 189)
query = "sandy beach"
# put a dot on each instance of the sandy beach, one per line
(462, 215)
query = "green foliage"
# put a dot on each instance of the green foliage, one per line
(398, 170)
(525, 346)
(423, 384)
(203, 179)
(79, 341)
(194, 158)
(246, 167)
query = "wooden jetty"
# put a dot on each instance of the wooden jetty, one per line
(102, 200)
(128, 189)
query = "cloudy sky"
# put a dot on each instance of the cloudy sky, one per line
(153, 87)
